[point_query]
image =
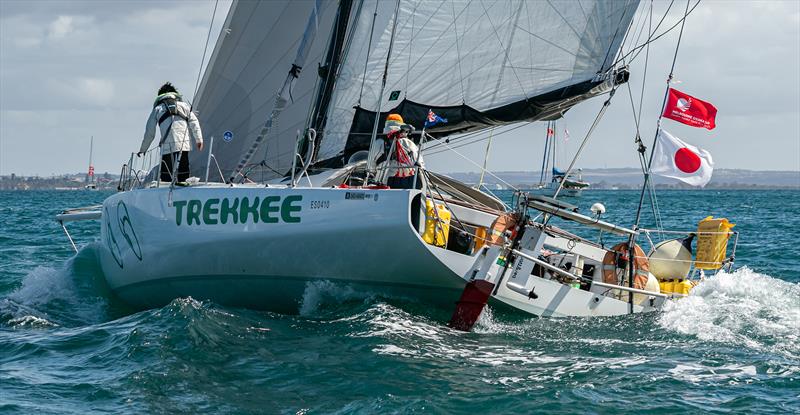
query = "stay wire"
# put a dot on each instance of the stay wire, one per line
(637, 121)
(639, 48)
(596, 121)
(658, 123)
(205, 50)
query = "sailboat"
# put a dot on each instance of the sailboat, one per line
(91, 185)
(288, 198)
(551, 179)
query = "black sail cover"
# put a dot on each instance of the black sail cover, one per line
(478, 63)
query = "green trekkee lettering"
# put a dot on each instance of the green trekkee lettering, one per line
(215, 211)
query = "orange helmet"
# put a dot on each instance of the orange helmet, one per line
(395, 117)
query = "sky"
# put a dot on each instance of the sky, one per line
(70, 70)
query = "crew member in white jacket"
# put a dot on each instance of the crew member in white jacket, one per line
(178, 126)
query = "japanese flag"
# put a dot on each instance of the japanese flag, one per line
(683, 161)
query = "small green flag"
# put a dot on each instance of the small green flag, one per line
(394, 95)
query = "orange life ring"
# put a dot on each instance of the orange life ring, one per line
(500, 225)
(613, 274)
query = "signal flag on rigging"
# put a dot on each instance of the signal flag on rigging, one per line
(689, 110)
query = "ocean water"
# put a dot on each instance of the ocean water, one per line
(67, 345)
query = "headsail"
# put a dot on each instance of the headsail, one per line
(478, 63)
(255, 51)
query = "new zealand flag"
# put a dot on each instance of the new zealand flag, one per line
(433, 119)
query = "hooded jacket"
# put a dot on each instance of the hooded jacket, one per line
(180, 131)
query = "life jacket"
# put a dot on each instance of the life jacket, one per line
(400, 160)
(170, 102)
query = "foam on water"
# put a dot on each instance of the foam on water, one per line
(74, 293)
(730, 347)
(318, 293)
(743, 308)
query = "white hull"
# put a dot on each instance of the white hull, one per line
(362, 238)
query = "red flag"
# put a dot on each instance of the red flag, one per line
(689, 110)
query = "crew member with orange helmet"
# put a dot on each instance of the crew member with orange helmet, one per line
(402, 156)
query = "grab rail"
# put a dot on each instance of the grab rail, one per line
(556, 269)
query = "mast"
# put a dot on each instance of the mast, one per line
(91, 168)
(338, 44)
(370, 162)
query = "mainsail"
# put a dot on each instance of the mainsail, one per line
(478, 63)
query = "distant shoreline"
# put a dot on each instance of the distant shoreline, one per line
(600, 179)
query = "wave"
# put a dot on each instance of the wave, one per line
(74, 294)
(742, 308)
(319, 293)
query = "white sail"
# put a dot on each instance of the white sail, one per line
(253, 55)
(487, 62)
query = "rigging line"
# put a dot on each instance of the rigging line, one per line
(639, 48)
(630, 31)
(543, 175)
(465, 135)
(499, 40)
(486, 157)
(597, 119)
(482, 169)
(613, 38)
(652, 190)
(458, 52)
(369, 49)
(473, 135)
(646, 60)
(658, 123)
(203, 59)
(370, 162)
(650, 35)
(641, 29)
(474, 140)
(637, 32)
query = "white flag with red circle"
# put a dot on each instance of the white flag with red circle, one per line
(683, 161)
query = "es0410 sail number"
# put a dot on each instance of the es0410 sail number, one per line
(320, 204)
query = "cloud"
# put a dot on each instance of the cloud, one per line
(61, 27)
(72, 69)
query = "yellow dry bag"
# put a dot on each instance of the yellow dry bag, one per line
(712, 242)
